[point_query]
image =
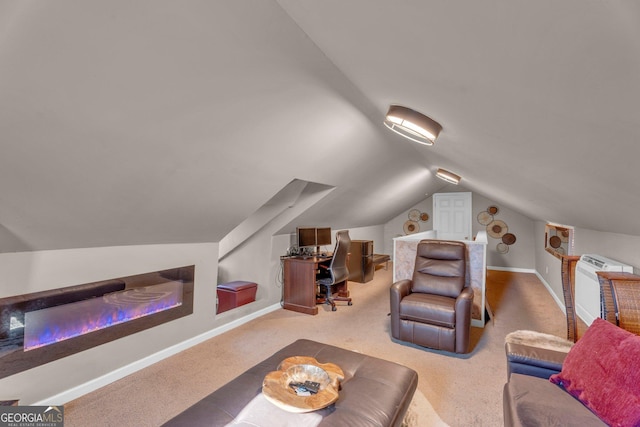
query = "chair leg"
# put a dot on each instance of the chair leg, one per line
(329, 299)
(341, 297)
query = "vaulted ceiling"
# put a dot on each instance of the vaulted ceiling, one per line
(161, 121)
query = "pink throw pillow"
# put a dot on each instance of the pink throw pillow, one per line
(602, 371)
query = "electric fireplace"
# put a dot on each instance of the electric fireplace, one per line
(40, 327)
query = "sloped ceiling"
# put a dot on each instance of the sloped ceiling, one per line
(163, 121)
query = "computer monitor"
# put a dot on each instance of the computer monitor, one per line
(306, 237)
(313, 237)
(323, 236)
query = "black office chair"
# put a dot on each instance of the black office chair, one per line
(337, 270)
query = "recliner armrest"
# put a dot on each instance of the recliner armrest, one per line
(399, 290)
(464, 303)
(535, 354)
(466, 296)
(464, 306)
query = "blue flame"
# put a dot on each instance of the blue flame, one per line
(55, 324)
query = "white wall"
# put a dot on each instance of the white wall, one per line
(257, 260)
(521, 255)
(548, 266)
(375, 233)
(620, 247)
(26, 272)
(395, 227)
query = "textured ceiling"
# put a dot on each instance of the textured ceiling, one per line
(162, 121)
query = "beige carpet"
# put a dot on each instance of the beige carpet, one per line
(421, 413)
(459, 390)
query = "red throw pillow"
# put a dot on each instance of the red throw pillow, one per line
(601, 370)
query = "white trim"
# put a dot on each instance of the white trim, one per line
(89, 386)
(512, 269)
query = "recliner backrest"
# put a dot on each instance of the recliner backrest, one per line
(440, 268)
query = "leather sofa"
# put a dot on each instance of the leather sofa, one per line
(374, 392)
(529, 398)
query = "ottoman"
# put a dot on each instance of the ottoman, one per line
(374, 392)
(235, 294)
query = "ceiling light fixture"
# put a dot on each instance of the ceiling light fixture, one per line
(448, 176)
(411, 124)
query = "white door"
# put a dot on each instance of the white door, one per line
(452, 216)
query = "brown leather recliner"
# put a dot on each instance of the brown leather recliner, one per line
(433, 309)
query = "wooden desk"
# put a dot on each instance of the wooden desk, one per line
(300, 283)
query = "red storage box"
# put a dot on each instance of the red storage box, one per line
(235, 294)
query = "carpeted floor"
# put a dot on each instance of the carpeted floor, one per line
(463, 390)
(421, 413)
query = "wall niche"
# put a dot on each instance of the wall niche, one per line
(41, 327)
(558, 239)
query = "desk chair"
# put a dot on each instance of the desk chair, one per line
(337, 270)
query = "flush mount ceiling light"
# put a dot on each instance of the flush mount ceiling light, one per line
(448, 176)
(411, 124)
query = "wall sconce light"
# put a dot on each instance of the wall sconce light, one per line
(448, 176)
(411, 124)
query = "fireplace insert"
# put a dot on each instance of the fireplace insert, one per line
(40, 327)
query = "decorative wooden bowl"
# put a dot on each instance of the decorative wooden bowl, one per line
(275, 386)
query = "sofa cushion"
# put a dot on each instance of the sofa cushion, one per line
(532, 401)
(599, 372)
(535, 353)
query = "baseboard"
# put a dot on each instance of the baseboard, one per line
(512, 269)
(76, 392)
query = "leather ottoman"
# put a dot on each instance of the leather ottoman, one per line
(374, 392)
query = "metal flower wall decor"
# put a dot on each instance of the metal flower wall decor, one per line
(497, 229)
(412, 225)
